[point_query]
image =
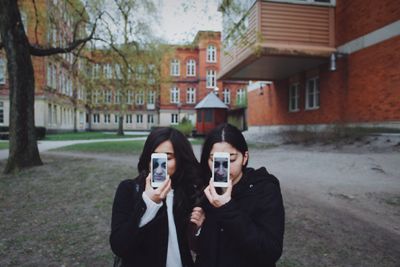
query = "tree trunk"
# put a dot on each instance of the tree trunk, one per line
(120, 125)
(23, 145)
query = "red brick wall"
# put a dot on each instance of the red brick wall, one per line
(356, 18)
(374, 83)
(364, 88)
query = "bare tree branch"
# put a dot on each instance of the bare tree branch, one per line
(41, 52)
(36, 21)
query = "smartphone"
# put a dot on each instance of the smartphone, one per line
(159, 168)
(220, 170)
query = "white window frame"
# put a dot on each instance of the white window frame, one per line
(96, 118)
(294, 97)
(107, 118)
(150, 119)
(191, 95)
(240, 96)
(117, 97)
(175, 67)
(107, 96)
(151, 97)
(139, 118)
(174, 118)
(226, 95)
(211, 53)
(128, 119)
(130, 97)
(191, 68)
(312, 94)
(174, 95)
(139, 98)
(211, 78)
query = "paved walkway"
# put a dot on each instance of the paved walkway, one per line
(48, 145)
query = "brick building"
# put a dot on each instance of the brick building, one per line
(329, 62)
(65, 101)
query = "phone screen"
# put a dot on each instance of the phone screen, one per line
(221, 169)
(159, 171)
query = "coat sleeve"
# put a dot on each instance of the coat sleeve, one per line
(260, 234)
(128, 208)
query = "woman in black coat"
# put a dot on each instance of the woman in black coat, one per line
(244, 224)
(149, 226)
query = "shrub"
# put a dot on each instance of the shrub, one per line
(185, 126)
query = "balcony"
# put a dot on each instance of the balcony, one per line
(281, 38)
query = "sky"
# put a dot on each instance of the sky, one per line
(180, 20)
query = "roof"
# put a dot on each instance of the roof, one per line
(211, 101)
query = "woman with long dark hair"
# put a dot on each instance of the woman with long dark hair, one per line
(244, 224)
(149, 226)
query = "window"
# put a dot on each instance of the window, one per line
(107, 71)
(117, 99)
(191, 67)
(139, 99)
(96, 97)
(211, 78)
(211, 53)
(1, 112)
(2, 71)
(128, 118)
(240, 97)
(174, 118)
(95, 71)
(116, 118)
(174, 97)
(49, 76)
(312, 93)
(96, 118)
(108, 96)
(294, 97)
(191, 96)
(226, 94)
(139, 118)
(150, 118)
(107, 118)
(130, 97)
(49, 113)
(151, 97)
(175, 67)
(81, 118)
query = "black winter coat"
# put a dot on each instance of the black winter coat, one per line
(145, 246)
(248, 230)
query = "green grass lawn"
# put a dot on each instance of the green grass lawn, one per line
(116, 147)
(85, 136)
(4, 145)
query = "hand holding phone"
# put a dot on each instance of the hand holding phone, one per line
(220, 169)
(159, 168)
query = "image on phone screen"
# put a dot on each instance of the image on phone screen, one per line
(159, 172)
(221, 169)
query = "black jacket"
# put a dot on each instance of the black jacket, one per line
(248, 230)
(145, 246)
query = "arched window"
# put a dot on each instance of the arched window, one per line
(211, 53)
(174, 71)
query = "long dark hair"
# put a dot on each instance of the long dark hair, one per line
(186, 180)
(222, 133)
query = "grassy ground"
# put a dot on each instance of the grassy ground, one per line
(110, 147)
(58, 214)
(4, 145)
(124, 147)
(85, 136)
